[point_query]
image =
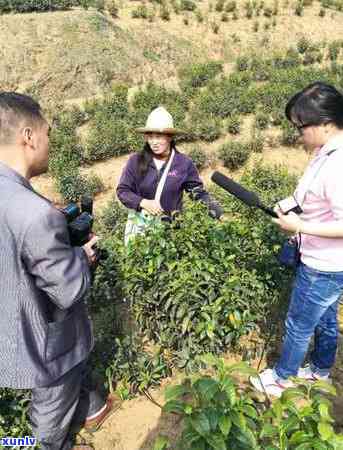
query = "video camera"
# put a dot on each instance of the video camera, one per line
(79, 220)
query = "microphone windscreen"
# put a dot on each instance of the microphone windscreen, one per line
(248, 197)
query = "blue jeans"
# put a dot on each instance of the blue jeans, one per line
(312, 310)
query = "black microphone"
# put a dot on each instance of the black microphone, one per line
(247, 197)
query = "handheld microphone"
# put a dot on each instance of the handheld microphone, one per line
(247, 197)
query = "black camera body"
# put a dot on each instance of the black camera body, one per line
(80, 221)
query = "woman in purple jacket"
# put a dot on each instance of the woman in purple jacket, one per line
(153, 181)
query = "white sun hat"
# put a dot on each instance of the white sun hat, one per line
(159, 121)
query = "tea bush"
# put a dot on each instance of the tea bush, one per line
(187, 5)
(219, 411)
(200, 126)
(234, 124)
(197, 75)
(234, 154)
(230, 6)
(289, 134)
(225, 97)
(141, 12)
(257, 141)
(199, 157)
(23, 6)
(14, 413)
(225, 276)
(111, 131)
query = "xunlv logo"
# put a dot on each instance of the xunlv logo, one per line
(17, 442)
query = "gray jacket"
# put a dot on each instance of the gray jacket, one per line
(44, 326)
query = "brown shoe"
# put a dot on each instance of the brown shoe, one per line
(113, 403)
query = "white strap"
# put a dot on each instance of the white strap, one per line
(163, 179)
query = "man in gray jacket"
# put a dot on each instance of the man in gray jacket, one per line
(45, 332)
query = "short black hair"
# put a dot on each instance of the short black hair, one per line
(15, 109)
(317, 104)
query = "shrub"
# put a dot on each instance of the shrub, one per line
(261, 120)
(108, 137)
(199, 157)
(203, 127)
(322, 12)
(113, 9)
(334, 50)
(187, 5)
(220, 412)
(242, 63)
(289, 134)
(224, 17)
(234, 154)
(219, 289)
(197, 75)
(24, 6)
(249, 10)
(72, 185)
(219, 5)
(14, 406)
(257, 142)
(230, 6)
(199, 16)
(303, 44)
(135, 367)
(234, 124)
(267, 11)
(165, 13)
(255, 27)
(225, 97)
(141, 12)
(65, 147)
(299, 8)
(215, 27)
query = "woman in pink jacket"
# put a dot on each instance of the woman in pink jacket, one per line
(317, 113)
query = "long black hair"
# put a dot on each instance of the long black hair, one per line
(319, 103)
(145, 157)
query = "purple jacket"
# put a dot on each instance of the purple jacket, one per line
(182, 176)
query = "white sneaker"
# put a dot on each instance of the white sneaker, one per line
(307, 374)
(269, 382)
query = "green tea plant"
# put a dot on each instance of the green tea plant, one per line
(141, 12)
(193, 76)
(14, 413)
(221, 412)
(187, 5)
(199, 157)
(217, 412)
(234, 154)
(234, 124)
(225, 276)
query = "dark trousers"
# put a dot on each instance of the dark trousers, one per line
(70, 399)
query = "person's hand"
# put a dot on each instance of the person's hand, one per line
(153, 207)
(289, 222)
(90, 252)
